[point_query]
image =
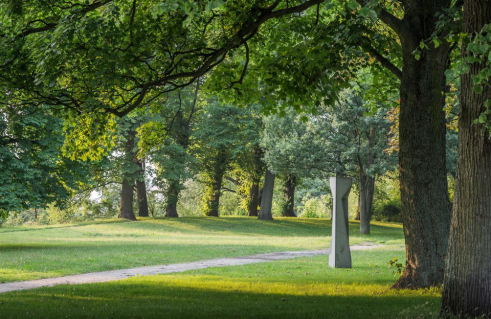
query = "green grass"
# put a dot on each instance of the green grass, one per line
(298, 288)
(28, 253)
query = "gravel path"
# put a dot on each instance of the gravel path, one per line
(112, 275)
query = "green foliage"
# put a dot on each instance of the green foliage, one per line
(316, 207)
(396, 266)
(344, 131)
(389, 211)
(290, 149)
(387, 199)
(224, 135)
(34, 171)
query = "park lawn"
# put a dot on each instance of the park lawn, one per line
(297, 288)
(28, 253)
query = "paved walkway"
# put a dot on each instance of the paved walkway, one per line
(112, 275)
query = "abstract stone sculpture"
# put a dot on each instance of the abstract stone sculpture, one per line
(340, 256)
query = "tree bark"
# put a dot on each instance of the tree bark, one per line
(267, 197)
(357, 217)
(423, 177)
(214, 187)
(254, 199)
(467, 284)
(171, 199)
(289, 193)
(141, 192)
(367, 186)
(126, 206)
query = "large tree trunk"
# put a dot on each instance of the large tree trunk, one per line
(171, 199)
(267, 197)
(289, 194)
(214, 187)
(467, 284)
(126, 207)
(423, 177)
(141, 192)
(254, 199)
(367, 186)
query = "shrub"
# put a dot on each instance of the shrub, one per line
(389, 211)
(315, 207)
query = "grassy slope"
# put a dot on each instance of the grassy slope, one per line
(39, 252)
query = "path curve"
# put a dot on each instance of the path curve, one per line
(105, 276)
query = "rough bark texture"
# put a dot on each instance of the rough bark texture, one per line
(289, 194)
(254, 199)
(467, 284)
(267, 197)
(126, 206)
(141, 192)
(423, 177)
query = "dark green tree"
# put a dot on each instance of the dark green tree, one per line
(35, 172)
(223, 134)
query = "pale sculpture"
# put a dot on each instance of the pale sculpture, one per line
(340, 256)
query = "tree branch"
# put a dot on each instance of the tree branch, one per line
(384, 61)
(390, 20)
(91, 7)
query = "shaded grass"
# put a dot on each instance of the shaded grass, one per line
(28, 253)
(298, 288)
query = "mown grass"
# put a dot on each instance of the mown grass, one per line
(28, 253)
(298, 288)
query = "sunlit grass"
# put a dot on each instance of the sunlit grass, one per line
(28, 253)
(298, 288)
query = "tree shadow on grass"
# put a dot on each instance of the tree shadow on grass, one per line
(144, 298)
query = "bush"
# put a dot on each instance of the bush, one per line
(388, 211)
(315, 207)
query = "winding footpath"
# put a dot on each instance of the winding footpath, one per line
(105, 276)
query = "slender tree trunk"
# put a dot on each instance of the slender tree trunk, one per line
(254, 199)
(367, 186)
(357, 217)
(141, 192)
(289, 193)
(256, 191)
(423, 177)
(35, 214)
(267, 197)
(467, 284)
(214, 187)
(182, 133)
(126, 206)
